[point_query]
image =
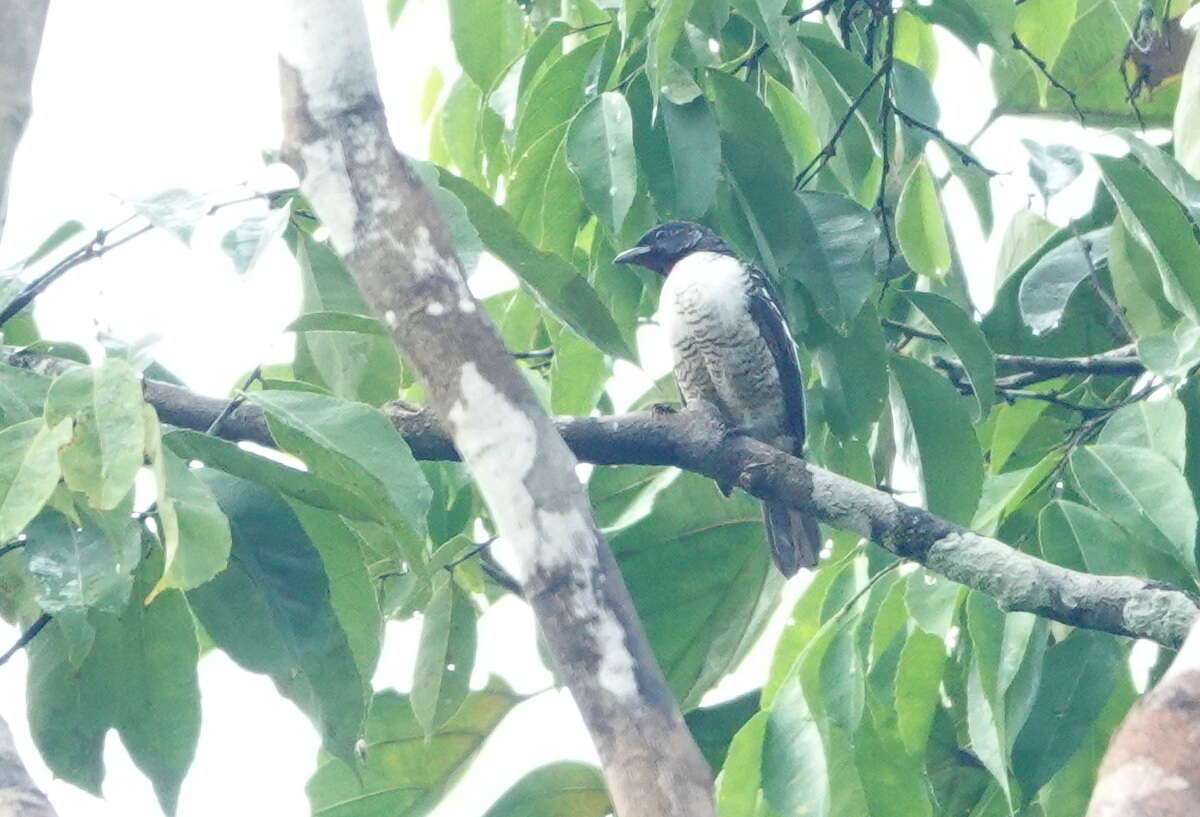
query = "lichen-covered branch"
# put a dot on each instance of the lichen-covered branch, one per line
(387, 229)
(1149, 769)
(21, 24)
(696, 442)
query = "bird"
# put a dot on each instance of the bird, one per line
(732, 349)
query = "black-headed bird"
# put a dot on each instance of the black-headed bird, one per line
(732, 349)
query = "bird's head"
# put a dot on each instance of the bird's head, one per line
(665, 244)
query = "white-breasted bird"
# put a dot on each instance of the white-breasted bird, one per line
(732, 349)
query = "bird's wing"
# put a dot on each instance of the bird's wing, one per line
(766, 313)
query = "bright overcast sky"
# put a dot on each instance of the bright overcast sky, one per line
(135, 96)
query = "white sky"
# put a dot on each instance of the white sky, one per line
(135, 96)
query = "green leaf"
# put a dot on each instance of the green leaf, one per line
(984, 727)
(562, 789)
(488, 35)
(236, 461)
(271, 611)
(79, 565)
(177, 211)
(661, 37)
(560, 289)
(740, 781)
(139, 677)
(336, 322)
(1052, 168)
(1078, 537)
(246, 243)
(836, 264)
(699, 622)
(947, 451)
(1049, 285)
(965, 19)
(968, 342)
(1157, 220)
(460, 127)
(714, 727)
(578, 374)
(853, 372)
(1186, 126)
(795, 774)
(445, 657)
(29, 471)
(1159, 425)
(600, 154)
(195, 533)
(352, 591)
(354, 366)
(892, 779)
(1143, 492)
(64, 231)
(354, 446)
(1077, 679)
(106, 448)
(1043, 26)
(1171, 353)
(554, 98)
(920, 228)
(918, 679)
(394, 9)
(405, 772)
(22, 395)
(695, 152)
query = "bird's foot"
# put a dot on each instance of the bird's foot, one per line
(663, 409)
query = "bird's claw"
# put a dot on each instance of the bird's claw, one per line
(663, 409)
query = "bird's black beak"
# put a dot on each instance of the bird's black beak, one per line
(633, 255)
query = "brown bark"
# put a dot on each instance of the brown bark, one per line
(1150, 767)
(388, 231)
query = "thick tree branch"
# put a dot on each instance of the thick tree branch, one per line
(387, 229)
(695, 442)
(19, 796)
(1149, 769)
(21, 24)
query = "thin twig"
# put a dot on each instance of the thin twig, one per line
(885, 124)
(11, 546)
(757, 53)
(237, 400)
(827, 152)
(534, 353)
(965, 156)
(1086, 247)
(1045, 69)
(26, 637)
(912, 331)
(475, 551)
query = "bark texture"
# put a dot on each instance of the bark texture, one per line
(387, 229)
(697, 442)
(21, 24)
(1150, 767)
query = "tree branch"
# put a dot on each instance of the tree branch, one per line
(695, 442)
(387, 229)
(21, 24)
(1149, 769)
(19, 796)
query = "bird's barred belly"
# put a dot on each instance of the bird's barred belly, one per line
(720, 356)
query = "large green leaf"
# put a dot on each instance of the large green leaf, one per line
(553, 99)
(405, 772)
(563, 789)
(84, 564)
(352, 365)
(271, 611)
(354, 446)
(29, 471)
(445, 657)
(105, 451)
(695, 153)
(699, 621)
(1047, 288)
(664, 32)
(1078, 537)
(853, 370)
(714, 727)
(488, 35)
(600, 154)
(1143, 492)
(968, 342)
(1159, 425)
(836, 263)
(918, 679)
(947, 451)
(795, 771)
(22, 395)
(195, 533)
(139, 677)
(1077, 680)
(564, 293)
(1157, 220)
(892, 778)
(1187, 114)
(920, 227)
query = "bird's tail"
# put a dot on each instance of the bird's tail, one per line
(794, 539)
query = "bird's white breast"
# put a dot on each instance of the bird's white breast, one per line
(705, 292)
